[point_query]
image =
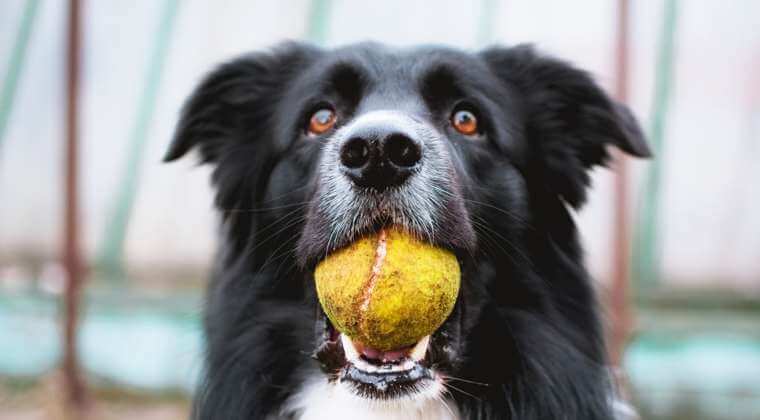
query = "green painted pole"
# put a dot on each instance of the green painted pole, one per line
(489, 10)
(110, 255)
(318, 22)
(16, 64)
(647, 251)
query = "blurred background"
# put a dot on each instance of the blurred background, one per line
(90, 218)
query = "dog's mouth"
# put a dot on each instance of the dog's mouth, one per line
(407, 372)
(386, 375)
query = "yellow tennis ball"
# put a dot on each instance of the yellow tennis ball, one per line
(389, 289)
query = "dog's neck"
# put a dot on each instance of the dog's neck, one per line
(321, 399)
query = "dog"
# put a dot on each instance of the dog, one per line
(485, 154)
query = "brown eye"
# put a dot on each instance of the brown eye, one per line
(321, 121)
(465, 122)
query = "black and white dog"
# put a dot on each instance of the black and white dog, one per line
(481, 153)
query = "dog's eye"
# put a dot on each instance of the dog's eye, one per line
(321, 121)
(465, 122)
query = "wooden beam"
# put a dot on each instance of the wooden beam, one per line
(619, 301)
(72, 259)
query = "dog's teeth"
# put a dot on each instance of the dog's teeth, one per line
(366, 367)
(352, 355)
(419, 350)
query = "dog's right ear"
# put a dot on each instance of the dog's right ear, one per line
(570, 120)
(233, 97)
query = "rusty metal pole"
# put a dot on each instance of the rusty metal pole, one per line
(72, 259)
(620, 307)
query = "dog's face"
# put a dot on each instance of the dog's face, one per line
(314, 149)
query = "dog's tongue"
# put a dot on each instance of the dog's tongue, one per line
(383, 356)
(354, 349)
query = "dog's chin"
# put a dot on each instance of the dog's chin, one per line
(413, 373)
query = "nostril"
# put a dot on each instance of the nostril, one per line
(355, 153)
(402, 151)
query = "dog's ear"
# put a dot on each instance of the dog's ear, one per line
(234, 96)
(569, 119)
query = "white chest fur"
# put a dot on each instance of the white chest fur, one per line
(320, 399)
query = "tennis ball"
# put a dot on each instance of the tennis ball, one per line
(388, 290)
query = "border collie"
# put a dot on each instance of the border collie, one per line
(482, 153)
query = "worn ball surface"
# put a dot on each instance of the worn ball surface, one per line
(388, 290)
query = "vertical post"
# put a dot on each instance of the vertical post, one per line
(489, 13)
(16, 64)
(318, 21)
(75, 392)
(647, 250)
(111, 253)
(619, 291)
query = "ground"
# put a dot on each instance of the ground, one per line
(45, 401)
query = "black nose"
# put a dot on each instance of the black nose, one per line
(380, 160)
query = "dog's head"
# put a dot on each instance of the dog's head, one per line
(315, 148)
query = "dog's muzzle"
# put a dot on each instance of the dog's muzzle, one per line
(385, 168)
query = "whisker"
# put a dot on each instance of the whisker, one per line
(488, 237)
(465, 380)
(285, 226)
(262, 209)
(448, 385)
(283, 259)
(441, 400)
(291, 192)
(524, 222)
(273, 256)
(484, 225)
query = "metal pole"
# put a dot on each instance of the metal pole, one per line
(111, 252)
(16, 64)
(619, 292)
(318, 21)
(75, 391)
(647, 245)
(489, 11)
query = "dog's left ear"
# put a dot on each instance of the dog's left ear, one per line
(230, 104)
(569, 119)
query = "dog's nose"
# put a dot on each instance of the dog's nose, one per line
(380, 160)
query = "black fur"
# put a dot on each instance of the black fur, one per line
(529, 336)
